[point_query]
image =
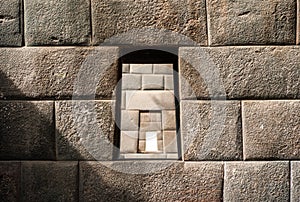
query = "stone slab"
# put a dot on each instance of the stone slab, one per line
(152, 116)
(295, 181)
(256, 181)
(178, 182)
(57, 22)
(141, 68)
(58, 72)
(153, 82)
(271, 129)
(169, 120)
(170, 141)
(131, 82)
(129, 142)
(163, 68)
(240, 72)
(11, 23)
(129, 120)
(251, 22)
(85, 130)
(27, 130)
(169, 82)
(211, 130)
(10, 181)
(49, 181)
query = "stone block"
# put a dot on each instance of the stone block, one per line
(141, 68)
(142, 146)
(295, 181)
(125, 68)
(256, 181)
(129, 120)
(271, 129)
(10, 181)
(49, 181)
(240, 72)
(11, 23)
(153, 82)
(298, 23)
(211, 130)
(131, 82)
(129, 142)
(251, 22)
(85, 130)
(151, 116)
(150, 126)
(27, 130)
(150, 22)
(58, 72)
(169, 82)
(163, 68)
(172, 181)
(160, 147)
(57, 22)
(169, 120)
(142, 135)
(123, 100)
(170, 141)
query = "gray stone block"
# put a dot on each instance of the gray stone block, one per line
(178, 182)
(163, 68)
(153, 82)
(85, 130)
(11, 23)
(240, 72)
(170, 142)
(129, 120)
(295, 181)
(150, 22)
(169, 82)
(57, 22)
(256, 181)
(131, 82)
(141, 68)
(49, 181)
(251, 22)
(27, 130)
(129, 141)
(169, 120)
(271, 129)
(10, 181)
(58, 72)
(211, 130)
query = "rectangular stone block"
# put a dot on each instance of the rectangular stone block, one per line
(142, 146)
(129, 142)
(49, 181)
(150, 126)
(27, 130)
(153, 82)
(123, 100)
(295, 181)
(58, 72)
(170, 141)
(57, 22)
(240, 72)
(150, 181)
(271, 129)
(163, 68)
(11, 23)
(169, 120)
(129, 120)
(131, 82)
(151, 116)
(141, 68)
(84, 130)
(150, 22)
(211, 130)
(125, 68)
(256, 181)
(251, 22)
(169, 82)
(10, 181)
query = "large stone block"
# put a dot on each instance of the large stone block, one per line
(27, 130)
(154, 22)
(295, 181)
(10, 181)
(58, 22)
(178, 182)
(49, 181)
(256, 181)
(251, 22)
(211, 130)
(240, 72)
(58, 72)
(85, 130)
(271, 129)
(11, 23)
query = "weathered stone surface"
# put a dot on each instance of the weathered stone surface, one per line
(11, 24)
(271, 129)
(141, 68)
(211, 130)
(170, 142)
(153, 82)
(295, 180)
(10, 181)
(169, 120)
(169, 83)
(49, 181)
(57, 22)
(251, 22)
(131, 82)
(129, 120)
(256, 181)
(298, 23)
(163, 68)
(27, 130)
(240, 72)
(58, 72)
(85, 130)
(179, 182)
(129, 141)
(151, 22)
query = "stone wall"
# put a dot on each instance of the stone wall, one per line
(239, 90)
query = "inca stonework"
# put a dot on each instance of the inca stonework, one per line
(88, 113)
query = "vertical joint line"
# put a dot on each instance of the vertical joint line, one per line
(207, 24)
(91, 24)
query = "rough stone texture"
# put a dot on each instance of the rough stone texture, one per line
(169, 83)
(240, 72)
(169, 120)
(129, 142)
(49, 181)
(57, 22)
(170, 142)
(27, 130)
(211, 130)
(56, 72)
(178, 182)
(251, 22)
(131, 82)
(163, 68)
(149, 22)
(153, 82)
(10, 181)
(256, 181)
(141, 68)
(85, 130)
(298, 23)
(271, 129)
(295, 180)
(11, 23)
(129, 120)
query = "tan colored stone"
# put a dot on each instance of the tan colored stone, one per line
(169, 82)
(151, 116)
(141, 68)
(142, 135)
(131, 82)
(142, 145)
(295, 181)
(125, 68)
(129, 142)
(163, 68)
(170, 141)
(169, 120)
(160, 145)
(150, 126)
(153, 82)
(129, 120)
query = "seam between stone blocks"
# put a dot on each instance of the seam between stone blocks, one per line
(207, 24)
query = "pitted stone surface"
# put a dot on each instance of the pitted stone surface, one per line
(10, 181)
(295, 180)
